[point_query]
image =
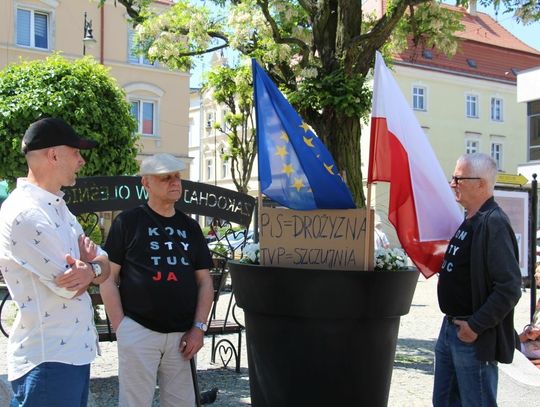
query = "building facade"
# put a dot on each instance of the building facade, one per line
(466, 103)
(528, 94)
(159, 97)
(208, 144)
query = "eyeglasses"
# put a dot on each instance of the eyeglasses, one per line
(458, 179)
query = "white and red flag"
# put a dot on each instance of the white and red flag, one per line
(422, 207)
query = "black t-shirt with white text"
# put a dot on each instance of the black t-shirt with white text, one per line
(157, 283)
(454, 286)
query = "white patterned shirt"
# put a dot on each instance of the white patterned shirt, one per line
(37, 230)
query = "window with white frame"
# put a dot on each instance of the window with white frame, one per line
(471, 106)
(533, 115)
(472, 146)
(144, 99)
(224, 168)
(133, 55)
(210, 119)
(419, 98)
(497, 109)
(224, 163)
(497, 153)
(209, 168)
(32, 28)
(144, 113)
(192, 139)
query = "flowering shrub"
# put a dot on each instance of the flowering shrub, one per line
(390, 259)
(250, 253)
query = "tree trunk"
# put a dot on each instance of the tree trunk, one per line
(342, 138)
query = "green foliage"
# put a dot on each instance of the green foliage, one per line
(345, 94)
(221, 230)
(80, 92)
(428, 26)
(90, 225)
(233, 87)
(220, 248)
(174, 36)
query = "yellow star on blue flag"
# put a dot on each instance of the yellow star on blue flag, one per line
(295, 168)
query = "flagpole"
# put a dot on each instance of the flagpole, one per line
(259, 211)
(368, 228)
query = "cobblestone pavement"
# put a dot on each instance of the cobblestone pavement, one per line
(412, 378)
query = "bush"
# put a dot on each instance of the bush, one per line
(80, 92)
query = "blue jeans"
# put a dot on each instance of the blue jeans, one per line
(52, 384)
(460, 378)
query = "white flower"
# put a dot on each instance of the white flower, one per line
(250, 253)
(390, 259)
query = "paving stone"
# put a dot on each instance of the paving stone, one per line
(412, 377)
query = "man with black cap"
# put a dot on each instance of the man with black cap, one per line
(48, 263)
(160, 291)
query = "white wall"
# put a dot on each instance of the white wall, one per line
(528, 85)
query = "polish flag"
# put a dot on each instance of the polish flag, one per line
(422, 206)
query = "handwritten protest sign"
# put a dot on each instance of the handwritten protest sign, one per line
(321, 239)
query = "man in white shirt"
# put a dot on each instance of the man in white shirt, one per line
(48, 264)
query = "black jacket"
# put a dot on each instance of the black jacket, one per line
(495, 283)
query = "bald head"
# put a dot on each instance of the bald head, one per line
(54, 167)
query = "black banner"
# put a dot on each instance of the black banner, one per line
(98, 194)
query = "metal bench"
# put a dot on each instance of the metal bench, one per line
(224, 322)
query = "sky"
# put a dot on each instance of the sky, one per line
(529, 34)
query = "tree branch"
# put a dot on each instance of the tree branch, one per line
(380, 33)
(204, 51)
(382, 30)
(309, 5)
(133, 11)
(263, 4)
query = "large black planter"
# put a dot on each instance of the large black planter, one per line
(321, 337)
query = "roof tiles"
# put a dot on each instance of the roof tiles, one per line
(497, 53)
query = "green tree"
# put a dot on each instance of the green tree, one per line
(84, 95)
(318, 52)
(232, 87)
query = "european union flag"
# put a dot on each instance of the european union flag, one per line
(295, 168)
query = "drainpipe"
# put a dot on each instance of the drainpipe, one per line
(101, 33)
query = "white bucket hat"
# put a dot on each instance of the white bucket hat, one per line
(161, 163)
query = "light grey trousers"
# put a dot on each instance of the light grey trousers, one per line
(146, 357)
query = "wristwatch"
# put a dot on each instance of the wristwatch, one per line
(201, 325)
(96, 268)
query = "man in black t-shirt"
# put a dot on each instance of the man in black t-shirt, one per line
(479, 285)
(160, 291)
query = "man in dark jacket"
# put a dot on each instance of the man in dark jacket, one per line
(479, 285)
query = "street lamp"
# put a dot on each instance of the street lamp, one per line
(88, 36)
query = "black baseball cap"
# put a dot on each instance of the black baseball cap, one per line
(51, 132)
